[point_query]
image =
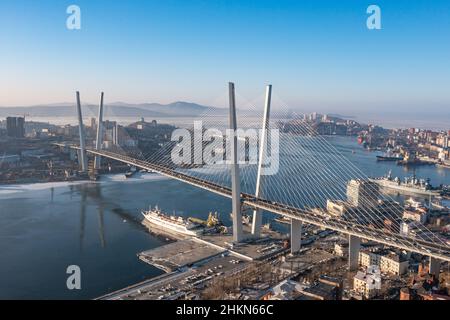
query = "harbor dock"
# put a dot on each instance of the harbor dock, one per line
(179, 254)
(192, 262)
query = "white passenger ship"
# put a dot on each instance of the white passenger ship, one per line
(172, 223)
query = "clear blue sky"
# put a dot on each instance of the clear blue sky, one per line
(319, 55)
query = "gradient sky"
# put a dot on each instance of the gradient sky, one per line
(319, 55)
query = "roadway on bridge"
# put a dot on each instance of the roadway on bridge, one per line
(423, 247)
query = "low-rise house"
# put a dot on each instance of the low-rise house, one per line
(368, 283)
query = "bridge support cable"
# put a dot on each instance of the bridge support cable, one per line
(321, 170)
(257, 214)
(317, 180)
(235, 181)
(422, 247)
(99, 140)
(347, 170)
(315, 175)
(311, 171)
(82, 159)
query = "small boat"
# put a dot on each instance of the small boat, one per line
(130, 173)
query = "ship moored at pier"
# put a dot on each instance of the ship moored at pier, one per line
(410, 185)
(173, 223)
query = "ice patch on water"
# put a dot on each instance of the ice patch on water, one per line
(138, 177)
(15, 188)
(105, 179)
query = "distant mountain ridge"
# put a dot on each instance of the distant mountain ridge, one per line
(119, 109)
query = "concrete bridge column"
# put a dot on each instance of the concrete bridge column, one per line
(238, 235)
(99, 140)
(83, 159)
(296, 235)
(435, 267)
(354, 244)
(257, 214)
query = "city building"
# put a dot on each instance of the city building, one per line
(363, 193)
(337, 283)
(393, 263)
(341, 249)
(427, 288)
(325, 289)
(368, 283)
(111, 132)
(15, 127)
(409, 228)
(370, 257)
(285, 290)
(337, 208)
(420, 216)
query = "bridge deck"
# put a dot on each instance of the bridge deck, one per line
(427, 248)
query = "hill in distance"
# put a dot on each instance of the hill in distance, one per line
(118, 109)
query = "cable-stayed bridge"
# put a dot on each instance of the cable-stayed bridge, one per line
(311, 173)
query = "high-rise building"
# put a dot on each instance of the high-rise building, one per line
(15, 127)
(363, 193)
(115, 134)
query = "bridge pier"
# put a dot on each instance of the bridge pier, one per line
(82, 159)
(238, 235)
(434, 267)
(257, 214)
(296, 235)
(99, 140)
(354, 244)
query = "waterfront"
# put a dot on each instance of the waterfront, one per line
(44, 228)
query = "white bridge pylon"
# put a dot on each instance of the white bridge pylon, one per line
(99, 140)
(257, 214)
(238, 235)
(82, 159)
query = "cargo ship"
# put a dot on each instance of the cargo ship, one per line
(389, 156)
(410, 185)
(173, 223)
